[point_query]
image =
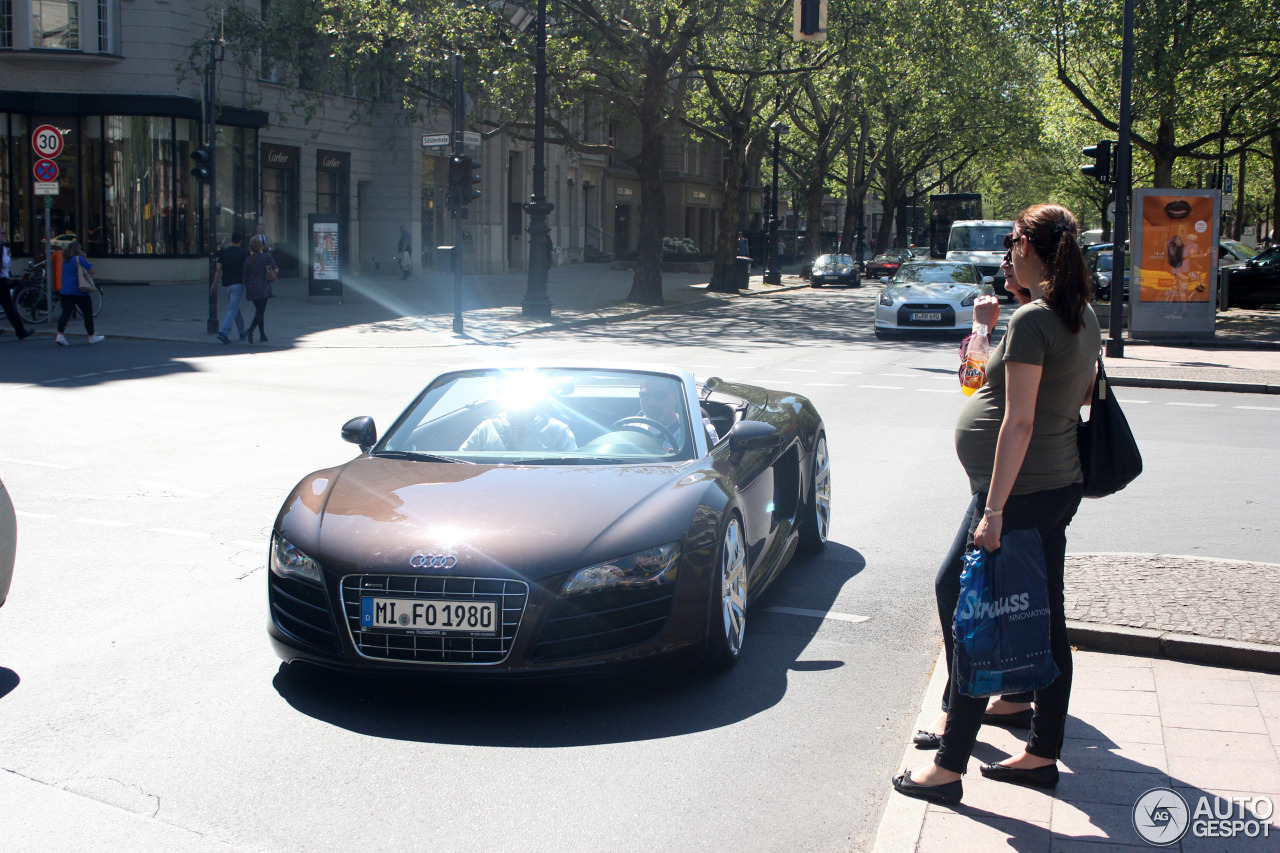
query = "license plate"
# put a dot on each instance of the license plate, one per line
(927, 316)
(431, 617)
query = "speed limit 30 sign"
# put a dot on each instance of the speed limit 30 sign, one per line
(47, 141)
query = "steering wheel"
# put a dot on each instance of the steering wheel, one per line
(646, 426)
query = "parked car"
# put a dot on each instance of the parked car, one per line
(1098, 259)
(1257, 281)
(835, 269)
(1233, 253)
(8, 541)
(884, 265)
(639, 538)
(918, 253)
(931, 295)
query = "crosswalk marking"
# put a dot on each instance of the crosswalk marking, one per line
(819, 614)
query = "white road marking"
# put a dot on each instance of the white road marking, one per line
(1136, 402)
(1259, 408)
(21, 513)
(1195, 405)
(175, 491)
(819, 614)
(883, 387)
(37, 464)
(847, 372)
(190, 534)
(97, 522)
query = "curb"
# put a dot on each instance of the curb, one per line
(1192, 384)
(1145, 642)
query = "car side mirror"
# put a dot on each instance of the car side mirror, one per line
(360, 431)
(753, 435)
(988, 279)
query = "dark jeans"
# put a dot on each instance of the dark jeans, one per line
(946, 588)
(259, 319)
(6, 303)
(1050, 512)
(70, 303)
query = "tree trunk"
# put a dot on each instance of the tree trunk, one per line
(646, 285)
(1164, 155)
(722, 274)
(814, 194)
(1275, 180)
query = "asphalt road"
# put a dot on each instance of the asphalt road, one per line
(142, 709)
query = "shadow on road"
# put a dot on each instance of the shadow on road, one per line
(662, 702)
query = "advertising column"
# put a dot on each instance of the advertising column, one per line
(1174, 280)
(324, 241)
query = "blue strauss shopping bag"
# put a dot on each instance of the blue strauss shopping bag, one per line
(1002, 620)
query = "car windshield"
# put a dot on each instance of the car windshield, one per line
(910, 273)
(1105, 261)
(546, 416)
(977, 238)
(834, 261)
(1238, 249)
(886, 259)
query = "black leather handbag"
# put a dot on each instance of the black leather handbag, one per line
(1109, 454)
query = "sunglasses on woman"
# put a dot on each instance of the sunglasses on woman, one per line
(1011, 239)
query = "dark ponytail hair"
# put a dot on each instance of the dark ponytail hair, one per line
(1052, 231)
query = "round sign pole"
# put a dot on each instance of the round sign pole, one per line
(47, 141)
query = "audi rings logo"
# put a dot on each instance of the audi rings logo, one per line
(433, 561)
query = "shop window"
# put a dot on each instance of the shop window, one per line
(55, 24)
(6, 23)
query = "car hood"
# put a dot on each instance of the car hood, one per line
(984, 258)
(498, 521)
(932, 291)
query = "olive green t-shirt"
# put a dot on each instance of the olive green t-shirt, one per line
(1035, 336)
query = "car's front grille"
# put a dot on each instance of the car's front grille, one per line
(301, 609)
(389, 644)
(908, 312)
(600, 622)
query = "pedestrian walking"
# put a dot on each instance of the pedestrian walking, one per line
(72, 296)
(6, 291)
(230, 269)
(261, 233)
(260, 271)
(1016, 438)
(404, 253)
(742, 245)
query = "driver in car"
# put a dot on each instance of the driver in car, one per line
(521, 428)
(660, 403)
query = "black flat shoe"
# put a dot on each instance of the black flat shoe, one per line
(926, 740)
(1040, 777)
(1016, 720)
(950, 793)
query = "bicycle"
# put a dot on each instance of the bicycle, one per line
(31, 295)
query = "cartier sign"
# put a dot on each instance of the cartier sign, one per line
(279, 157)
(332, 160)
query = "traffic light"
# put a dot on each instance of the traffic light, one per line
(462, 181)
(810, 20)
(203, 158)
(1100, 168)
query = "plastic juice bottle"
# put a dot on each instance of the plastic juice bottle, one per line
(976, 353)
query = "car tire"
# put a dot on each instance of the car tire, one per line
(727, 616)
(815, 283)
(816, 524)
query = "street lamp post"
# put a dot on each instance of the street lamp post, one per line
(536, 302)
(773, 275)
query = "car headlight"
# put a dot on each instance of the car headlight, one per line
(650, 567)
(966, 302)
(289, 562)
(884, 299)
(844, 270)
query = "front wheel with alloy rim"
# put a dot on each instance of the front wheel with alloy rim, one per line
(727, 623)
(816, 525)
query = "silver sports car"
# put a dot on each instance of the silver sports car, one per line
(930, 295)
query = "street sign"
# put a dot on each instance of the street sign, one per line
(471, 138)
(1227, 180)
(45, 170)
(432, 140)
(47, 141)
(46, 188)
(1228, 203)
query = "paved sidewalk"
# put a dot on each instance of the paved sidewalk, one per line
(1136, 724)
(384, 311)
